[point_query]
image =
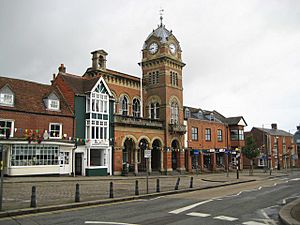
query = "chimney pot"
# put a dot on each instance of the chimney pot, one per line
(62, 68)
(274, 126)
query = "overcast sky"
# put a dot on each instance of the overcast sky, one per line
(242, 57)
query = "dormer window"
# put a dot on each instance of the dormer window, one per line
(6, 96)
(187, 113)
(212, 117)
(52, 102)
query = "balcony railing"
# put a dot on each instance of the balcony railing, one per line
(137, 122)
(177, 128)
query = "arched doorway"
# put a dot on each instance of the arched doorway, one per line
(155, 155)
(144, 144)
(128, 152)
(175, 148)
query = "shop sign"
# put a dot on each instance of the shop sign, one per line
(147, 154)
(196, 152)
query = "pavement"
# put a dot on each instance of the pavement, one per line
(58, 192)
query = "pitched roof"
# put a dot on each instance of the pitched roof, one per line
(205, 115)
(29, 97)
(274, 132)
(79, 85)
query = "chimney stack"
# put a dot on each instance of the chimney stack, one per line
(62, 68)
(274, 126)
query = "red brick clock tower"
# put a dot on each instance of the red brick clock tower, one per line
(163, 92)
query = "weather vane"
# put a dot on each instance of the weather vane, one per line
(161, 12)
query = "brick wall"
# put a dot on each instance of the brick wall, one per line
(35, 122)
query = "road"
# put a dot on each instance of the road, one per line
(254, 203)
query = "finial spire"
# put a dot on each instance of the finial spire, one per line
(161, 11)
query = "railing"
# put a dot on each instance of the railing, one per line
(137, 122)
(177, 128)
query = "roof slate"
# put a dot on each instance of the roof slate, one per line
(29, 96)
(274, 132)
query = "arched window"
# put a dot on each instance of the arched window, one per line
(124, 106)
(174, 113)
(136, 108)
(154, 110)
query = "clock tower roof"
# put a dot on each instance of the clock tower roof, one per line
(162, 33)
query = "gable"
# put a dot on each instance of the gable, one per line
(242, 122)
(101, 87)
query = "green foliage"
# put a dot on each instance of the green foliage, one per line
(250, 150)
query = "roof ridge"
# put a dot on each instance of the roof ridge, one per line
(28, 81)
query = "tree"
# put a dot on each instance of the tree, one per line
(250, 151)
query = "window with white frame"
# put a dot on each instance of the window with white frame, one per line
(99, 103)
(241, 135)
(207, 134)
(53, 104)
(6, 128)
(6, 99)
(194, 134)
(96, 129)
(154, 110)
(55, 130)
(136, 108)
(174, 113)
(31, 155)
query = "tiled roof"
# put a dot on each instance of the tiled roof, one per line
(274, 132)
(29, 97)
(80, 85)
(218, 117)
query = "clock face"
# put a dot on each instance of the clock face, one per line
(172, 48)
(153, 47)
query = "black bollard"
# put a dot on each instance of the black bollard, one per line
(33, 197)
(157, 185)
(111, 190)
(191, 182)
(77, 193)
(177, 183)
(137, 187)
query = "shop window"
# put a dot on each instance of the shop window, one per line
(31, 155)
(95, 157)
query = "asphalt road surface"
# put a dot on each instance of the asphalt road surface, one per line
(254, 203)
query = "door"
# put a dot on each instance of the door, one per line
(78, 163)
(64, 162)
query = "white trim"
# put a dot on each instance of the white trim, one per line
(60, 130)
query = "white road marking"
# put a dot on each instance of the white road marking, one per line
(114, 223)
(295, 179)
(267, 217)
(227, 218)
(180, 210)
(198, 214)
(253, 223)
